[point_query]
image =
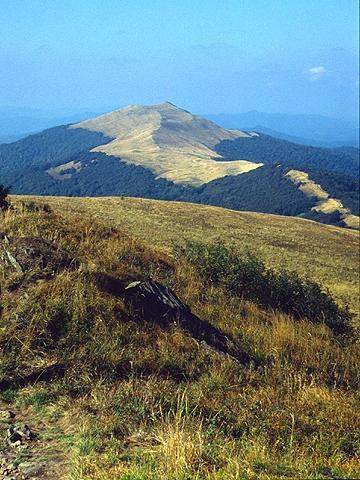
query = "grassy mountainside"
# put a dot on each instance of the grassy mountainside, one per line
(130, 399)
(165, 152)
(327, 254)
(169, 141)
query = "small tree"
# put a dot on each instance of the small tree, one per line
(4, 202)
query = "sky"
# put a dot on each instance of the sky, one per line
(208, 56)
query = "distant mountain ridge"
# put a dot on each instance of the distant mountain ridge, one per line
(315, 130)
(16, 123)
(165, 152)
(308, 129)
(291, 138)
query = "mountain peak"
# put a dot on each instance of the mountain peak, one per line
(138, 109)
(170, 141)
(168, 104)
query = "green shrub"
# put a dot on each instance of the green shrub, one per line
(247, 276)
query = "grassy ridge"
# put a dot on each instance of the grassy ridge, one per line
(137, 401)
(326, 254)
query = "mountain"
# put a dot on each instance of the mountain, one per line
(171, 142)
(316, 130)
(290, 138)
(165, 152)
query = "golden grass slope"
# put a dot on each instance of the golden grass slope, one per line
(325, 203)
(58, 172)
(138, 401)
(171, 142)
(327, 254)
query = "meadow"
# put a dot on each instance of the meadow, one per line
(136, 401)
(325, 253)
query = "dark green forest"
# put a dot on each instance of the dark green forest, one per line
(100, 175)
(49, 148)
(266, 149)
(23, 166)
(262, 190)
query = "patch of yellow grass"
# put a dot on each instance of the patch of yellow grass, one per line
(171, 142)
(178, 441)
(325, 204)
(57, 172)
(309, 187)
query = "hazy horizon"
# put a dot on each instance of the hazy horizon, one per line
(213, 57)
(55, 113)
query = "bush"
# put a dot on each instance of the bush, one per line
(4, 203)
(247, 276)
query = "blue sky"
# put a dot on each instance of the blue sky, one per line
(209, 56)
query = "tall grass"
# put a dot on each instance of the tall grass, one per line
(141, 402)
(245, 275)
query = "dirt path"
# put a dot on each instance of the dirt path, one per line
(30, 447)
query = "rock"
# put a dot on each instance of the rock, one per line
(25, 432)
(13, 437)
(19, 435)
(12, 260)
(35, 254)
(152, 301)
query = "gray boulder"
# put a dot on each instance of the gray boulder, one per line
(152, 301)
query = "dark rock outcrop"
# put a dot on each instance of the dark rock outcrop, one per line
(155, 302)
(33, 254)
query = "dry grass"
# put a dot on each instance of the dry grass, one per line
(169, 141)
(325, 204)
(177, 441)
(140, 402)
(327, 254)
(309, 187)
